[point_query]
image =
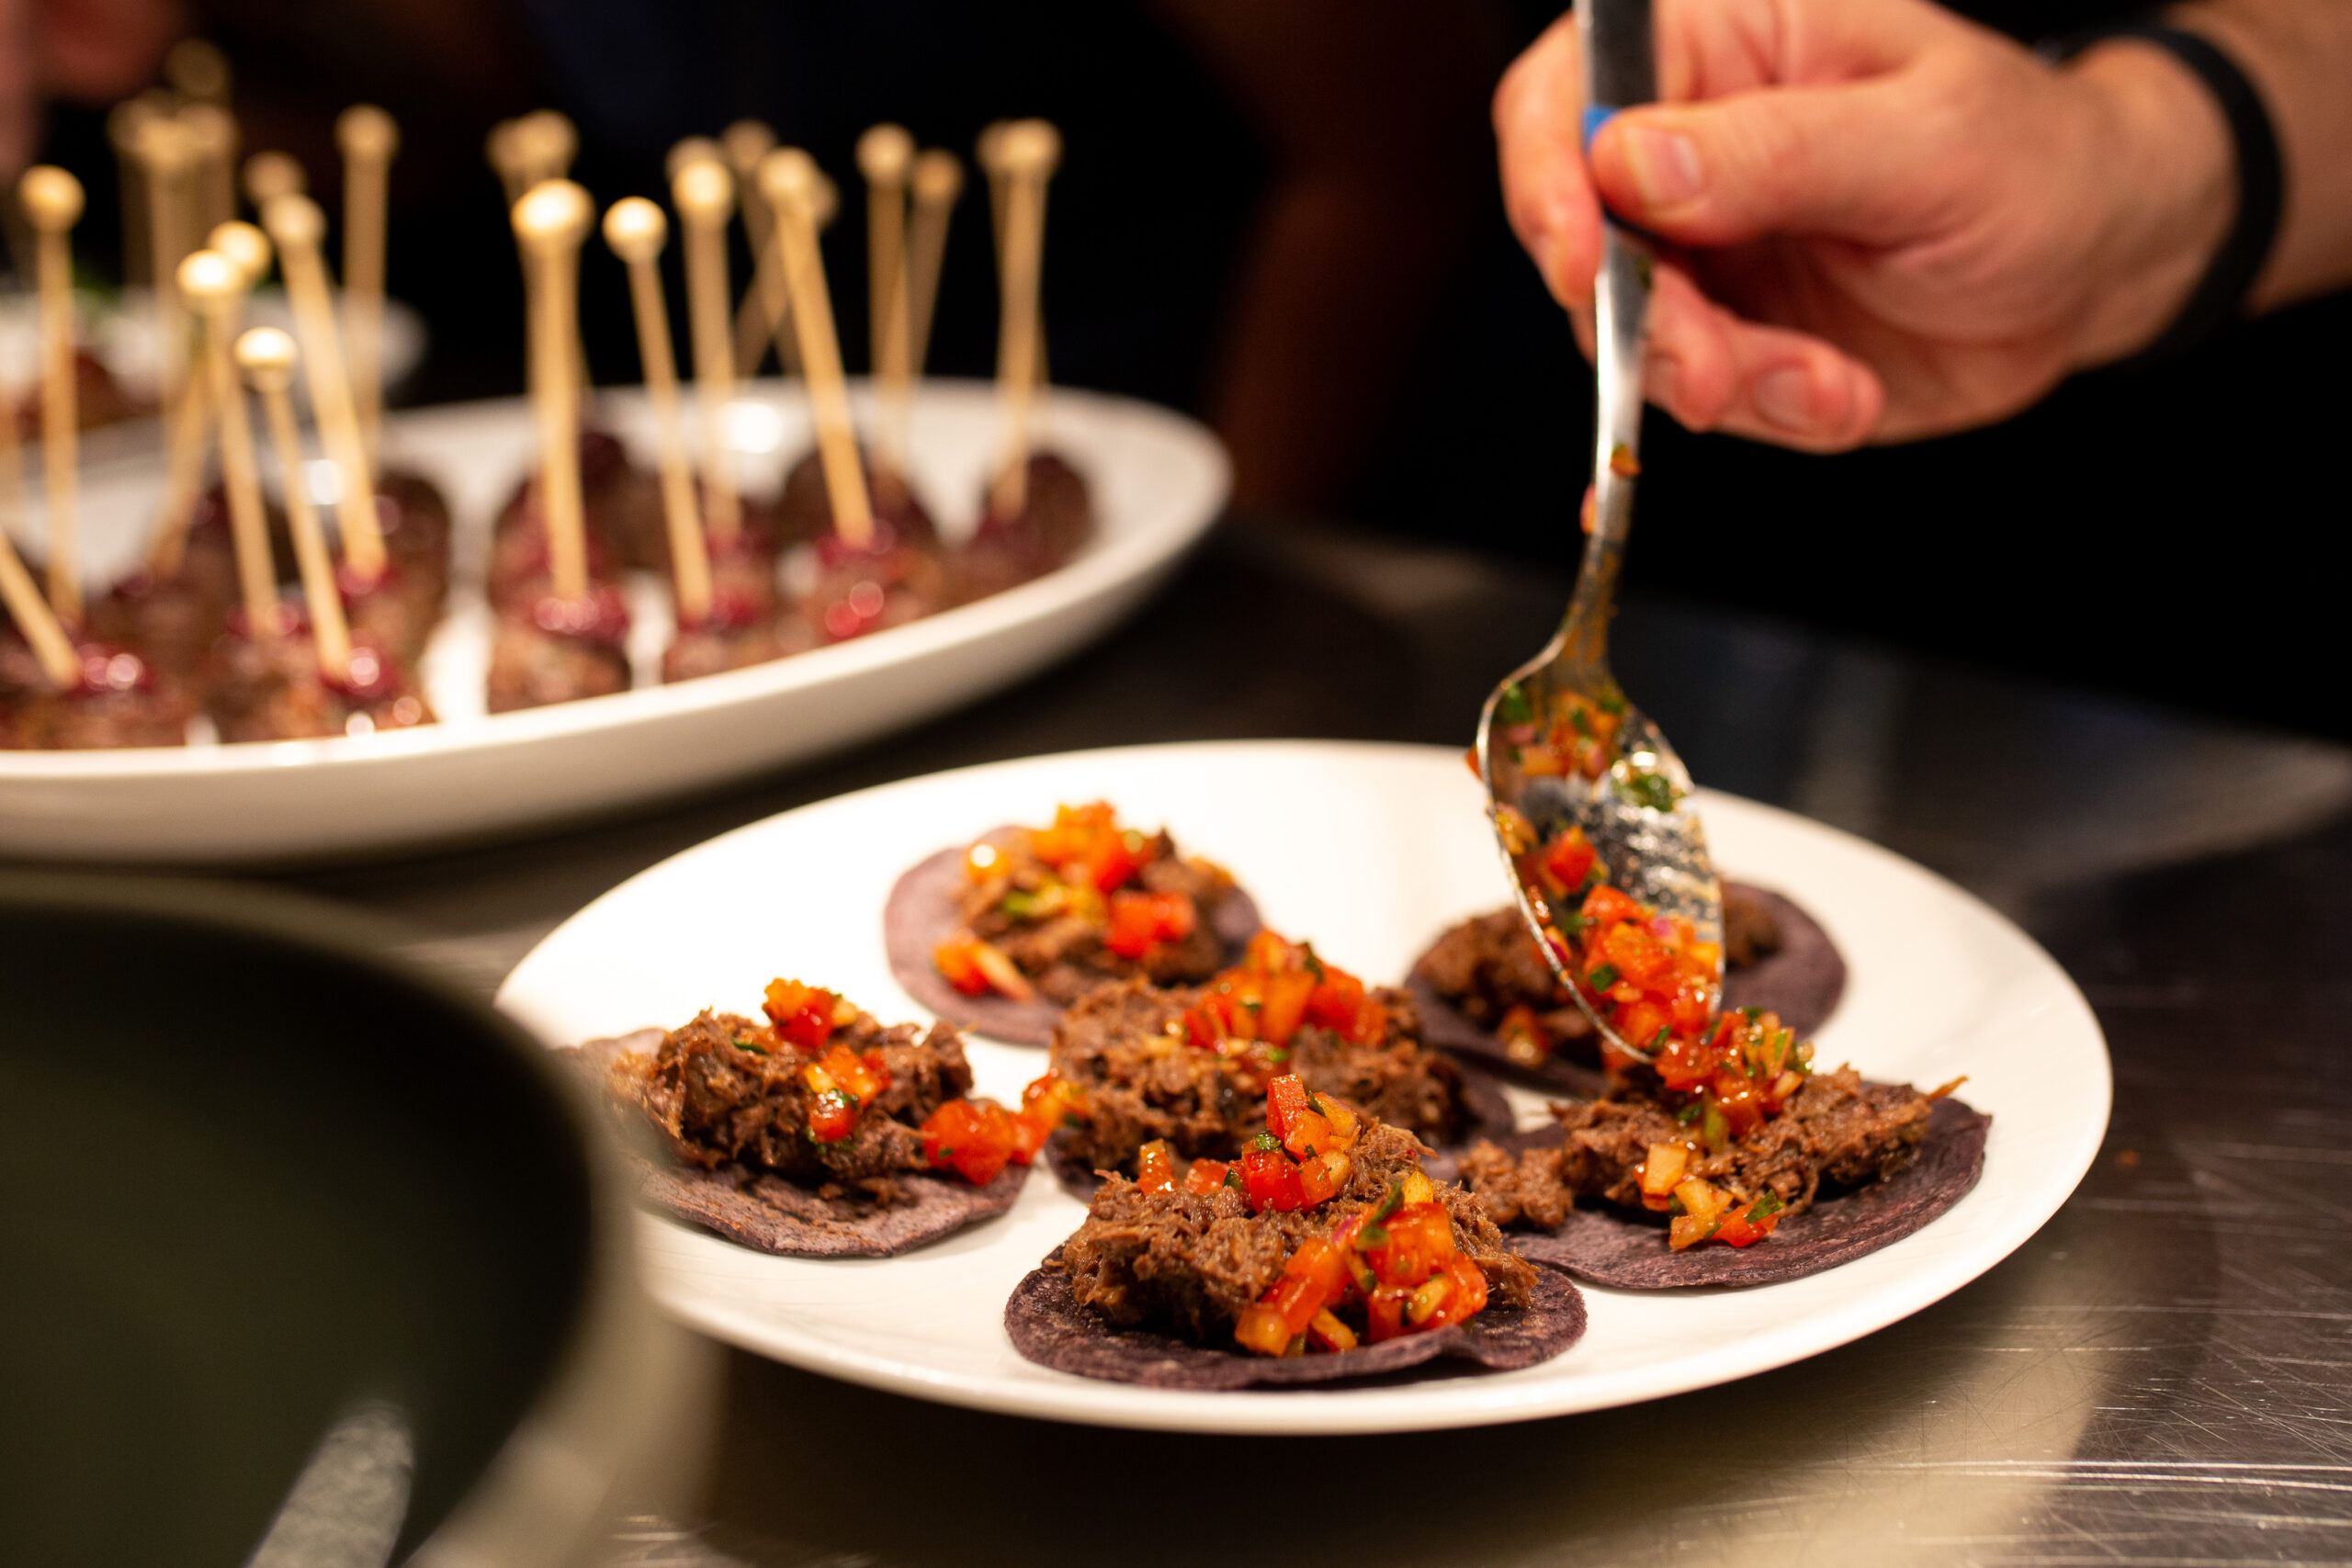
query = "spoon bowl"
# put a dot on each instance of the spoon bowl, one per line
(1559, 746)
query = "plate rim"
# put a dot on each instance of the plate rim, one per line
(1306, 1412)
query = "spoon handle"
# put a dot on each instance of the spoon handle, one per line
(1620, 69)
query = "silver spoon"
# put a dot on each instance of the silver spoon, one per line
(1622, 783)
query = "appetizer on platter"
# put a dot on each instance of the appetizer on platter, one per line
(1725, 1137)
(1054, 521)
(1323, 1252)
(816, 1132)
(1006, 932)
(116, 699)
(1484, 990)
(1135, 1065)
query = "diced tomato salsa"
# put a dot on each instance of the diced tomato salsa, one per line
(1085, 865)
(1393, 1269)
(1279, 988)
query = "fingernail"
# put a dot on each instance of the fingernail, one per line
(1785, 397)
(1665, 166)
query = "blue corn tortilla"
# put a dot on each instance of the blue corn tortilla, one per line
(921, 913)
(1627, 1250)
(1049, 1327)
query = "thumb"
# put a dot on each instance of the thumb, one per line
(1852, 161)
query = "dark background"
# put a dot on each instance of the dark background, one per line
(2154, 531)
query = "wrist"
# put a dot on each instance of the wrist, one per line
(2164, 160)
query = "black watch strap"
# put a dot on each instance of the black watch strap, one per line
(2220, 295)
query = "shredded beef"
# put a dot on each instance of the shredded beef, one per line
(1837, 1129)
(720, 1104)
(1192, 1262)
(1124, 1044)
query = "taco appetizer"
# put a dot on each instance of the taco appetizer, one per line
(814, 1132)
(1007, 932)
(1483, 990)
(1133, 1063)
(1325, 1251)
(1726, 1139)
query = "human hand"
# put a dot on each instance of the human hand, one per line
(1881, 222)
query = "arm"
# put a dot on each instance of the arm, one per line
(1892, 223)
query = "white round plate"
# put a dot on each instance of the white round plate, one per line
(1369, 851)
(1158, 481)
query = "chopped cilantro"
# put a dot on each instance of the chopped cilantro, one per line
(1652, 790)
(1514, 706)
(1600, 979)
(1265, 1141)
(743, 1044)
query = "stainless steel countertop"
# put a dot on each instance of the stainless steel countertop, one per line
(2164, 1375)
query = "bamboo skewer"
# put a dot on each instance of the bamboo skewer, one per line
(545, 142)
(269, 174)
(198, 72)
(18, 592)
(1027, 150)
(636, 230)
(884, 156)
(704, 193)
(789, 180)
(505, 161)
(368, 140)
(297, 225)
(937, 181)
(550, 221)
(164, 153)
(744, 143)
(189, 436)
(52, 201)
(988, 152)
(215, 288)
(211, 134)
(126, 122)
(691, 149)
(267, 357)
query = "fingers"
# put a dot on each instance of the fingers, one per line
(1712, 371)
(1538, 113)
(1866, 161)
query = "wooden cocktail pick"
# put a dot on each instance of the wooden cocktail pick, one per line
(215, 289)
(191, 430)
(53, 201)
(705, 195)
(937, 181)
(636, 230)
(1027, 149)
(210, 133)
(506, 159)
(269, 174)
(550, 221)
(691, 149)
(886, 156)
(198, 72)
(790, 181)
(38, 622)
(297, 226)
(368, 140)
(126, 122)
(545, 142)
(267, 357)
(246, 245)
(164, 149)
(744, 143)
